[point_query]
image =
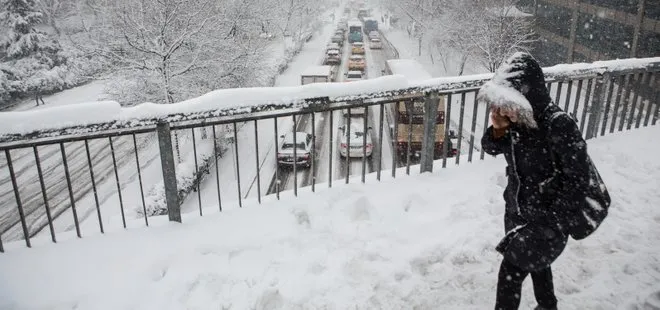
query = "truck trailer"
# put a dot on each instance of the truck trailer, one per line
(317, 74)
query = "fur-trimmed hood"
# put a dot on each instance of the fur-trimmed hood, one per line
(519, 85)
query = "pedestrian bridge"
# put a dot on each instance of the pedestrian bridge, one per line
(87, 169)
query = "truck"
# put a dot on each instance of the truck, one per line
(317, 74)
(355, 31)
(407, 115)
(363, 13)
(370, 25)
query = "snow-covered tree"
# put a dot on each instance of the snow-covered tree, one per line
(500, 32)
(487, 31)
(31, 62)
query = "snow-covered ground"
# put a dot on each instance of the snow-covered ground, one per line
(423, 242)
(408, 47)
(91, 92)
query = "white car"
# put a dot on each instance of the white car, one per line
(353, 76)
(333, 46)
(303, 150)
(358, 147)
(375, 43)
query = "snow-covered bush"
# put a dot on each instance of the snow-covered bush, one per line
(187, 179)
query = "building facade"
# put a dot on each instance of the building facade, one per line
(589, 30)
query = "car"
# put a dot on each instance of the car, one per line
(333, 46)
(357, 48)
(375, 44)
(339, 39)
(340, 32)
(452, 143)
(332, 57)
(356, 62)
(374, 35)
(303, 149)
(357, 147)
(353, 76)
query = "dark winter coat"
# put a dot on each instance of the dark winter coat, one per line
(533, 198)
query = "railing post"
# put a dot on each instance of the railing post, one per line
(596, 105)
(169, 172)
(430, 122)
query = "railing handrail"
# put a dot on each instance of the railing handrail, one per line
(110, 116)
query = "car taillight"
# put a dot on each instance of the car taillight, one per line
(305, 156)
(343, 145)
(369, 145)
(280, 156)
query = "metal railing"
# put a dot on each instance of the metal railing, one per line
(67, 178)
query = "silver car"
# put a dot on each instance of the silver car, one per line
(302, 149)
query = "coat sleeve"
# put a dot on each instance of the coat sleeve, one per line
(571, 158)
(494, 142)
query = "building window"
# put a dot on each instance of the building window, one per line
(578, 57)
(652, 9)
(628, 6)
(649, 44)
(526, 6)
(555, 19)
(549, 53)
(605, 36)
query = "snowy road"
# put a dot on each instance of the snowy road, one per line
(329, 167)
(57, 192)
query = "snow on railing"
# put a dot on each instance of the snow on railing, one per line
(109, 115)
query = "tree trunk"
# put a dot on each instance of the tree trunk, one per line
(461, 65)
(169, 100)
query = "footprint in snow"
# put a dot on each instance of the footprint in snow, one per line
(270, 300)
(360, 209)
(302, 218)
(652, 302)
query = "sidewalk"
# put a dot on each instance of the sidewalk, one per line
(408, 47)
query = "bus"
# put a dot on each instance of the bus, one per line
(408, 113)
(354, 31)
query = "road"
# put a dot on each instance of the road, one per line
(329, 167)
(24, 164)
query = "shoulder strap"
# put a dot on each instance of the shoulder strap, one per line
(551, 119)
(548, 130)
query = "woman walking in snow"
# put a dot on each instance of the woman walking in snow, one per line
(535, 234)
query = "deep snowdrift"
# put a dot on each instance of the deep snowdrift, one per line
(423, 241)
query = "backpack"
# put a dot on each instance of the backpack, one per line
(585, 215)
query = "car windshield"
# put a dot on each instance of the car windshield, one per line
(354, 76)
(288, 145)
(355, 133)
